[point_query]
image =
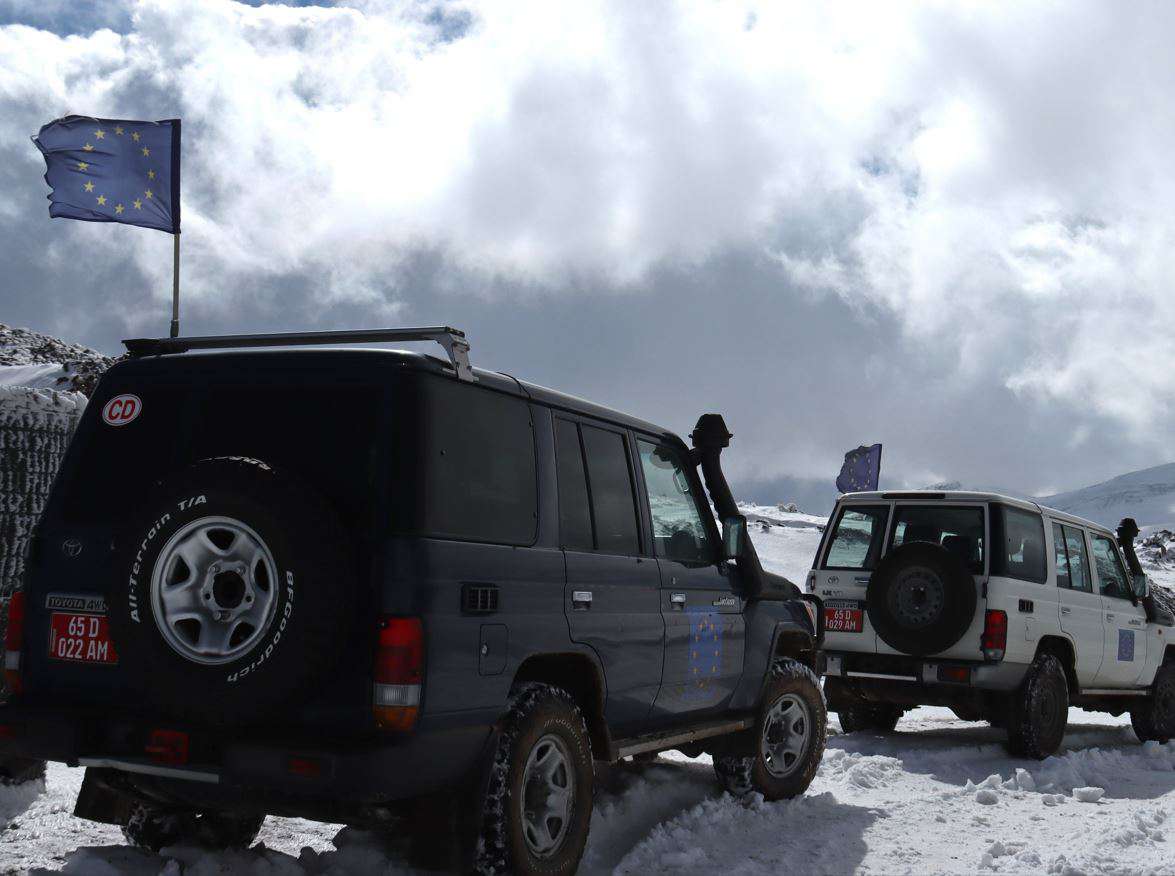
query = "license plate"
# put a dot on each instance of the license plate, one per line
(80, 638)
(843, 620)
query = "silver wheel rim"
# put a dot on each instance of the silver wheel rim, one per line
(786, 731)
(548, 792)
(214, 590)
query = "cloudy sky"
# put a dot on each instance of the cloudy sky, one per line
(948, 228)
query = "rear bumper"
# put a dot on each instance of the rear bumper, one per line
(923, 672)
(265, 767)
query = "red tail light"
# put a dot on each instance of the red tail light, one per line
(168, 747)
(399, 672)
(995, 635)
(14, 642)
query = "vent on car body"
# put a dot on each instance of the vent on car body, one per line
(479, 598)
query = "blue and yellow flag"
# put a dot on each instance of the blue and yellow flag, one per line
(861, 470)
(113, 170)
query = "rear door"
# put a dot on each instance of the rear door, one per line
(1123, 622)
(1078, 604)
(849, 555)
(613, 595)
(704, 625)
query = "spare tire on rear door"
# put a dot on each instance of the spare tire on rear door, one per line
(921, 598)
(236, 593)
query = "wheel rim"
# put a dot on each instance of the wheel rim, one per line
(548, 792)
(916, 598)
(786, 731)
(214, 590)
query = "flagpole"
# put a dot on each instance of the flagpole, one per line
(175, 287)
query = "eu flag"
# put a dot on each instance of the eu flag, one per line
(861, 470)
(113, 170)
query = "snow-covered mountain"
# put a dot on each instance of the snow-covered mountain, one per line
(39, 361)
(1147, 495)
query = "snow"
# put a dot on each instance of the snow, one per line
(938, 796)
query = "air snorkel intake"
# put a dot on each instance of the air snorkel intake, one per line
(710, 437)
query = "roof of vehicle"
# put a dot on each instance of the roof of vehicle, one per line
(968, 496)
(329, 358)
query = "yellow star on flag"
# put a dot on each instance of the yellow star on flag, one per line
(138, 204)
(148, 193)
(135, 136)
(89, 187)
(101, 200)
(118, 208)
(118, 130)
(88, 148)
(146, 151)
(82, 165)
(100, 134)
(150, 174)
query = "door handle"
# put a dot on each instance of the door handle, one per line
(1109, 615)
(678, 600)
(581, 600)
(1135, 622)
(1066, 610)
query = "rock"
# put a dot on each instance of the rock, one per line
(1088, 795)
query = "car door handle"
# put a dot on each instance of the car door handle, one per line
(1066, 610)
(1135, 622)
(678, 600)
(581, 600)
(1109, 615)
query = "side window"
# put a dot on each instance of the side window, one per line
(679, 531)
(1062, 556)
(1078, 560)
(1111, 575)
(575, 516)
(856, 541)
(610, 488)
(479, 479)
(1019, 536)
(958, 529)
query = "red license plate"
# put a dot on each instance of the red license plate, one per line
(843, 620)
(80, 638)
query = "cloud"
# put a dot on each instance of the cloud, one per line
(992, 182)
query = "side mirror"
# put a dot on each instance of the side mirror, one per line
(1140, 587)
(734, 537)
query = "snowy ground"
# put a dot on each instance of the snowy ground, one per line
(938, 796)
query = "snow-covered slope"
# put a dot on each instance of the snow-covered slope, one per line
(32, 359)
(1147, 495)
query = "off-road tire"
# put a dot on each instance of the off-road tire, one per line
(1154, 720)
(1038, 711)
(926, 624)
(19, 770)
(538, 713)
(741, 767)
(155, 829)
(877, 717)
(314, 603)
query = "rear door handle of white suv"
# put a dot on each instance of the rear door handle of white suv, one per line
(1066, 610)
(1109, 615)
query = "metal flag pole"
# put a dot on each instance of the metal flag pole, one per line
(175, 288)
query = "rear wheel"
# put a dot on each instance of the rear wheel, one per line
(155, 829)
(780, 755)
(1154, 720)
(878, 717)
(921, 599)
(1039, 710)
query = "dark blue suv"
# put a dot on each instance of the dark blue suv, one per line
(388, 589)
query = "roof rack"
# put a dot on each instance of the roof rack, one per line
(453, 340)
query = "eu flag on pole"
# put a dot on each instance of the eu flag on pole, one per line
(861, 470)
(113, 170)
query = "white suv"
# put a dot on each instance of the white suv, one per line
(1001, 609)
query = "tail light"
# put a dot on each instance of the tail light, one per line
(399, 672)
(995, 635)
(14, 642)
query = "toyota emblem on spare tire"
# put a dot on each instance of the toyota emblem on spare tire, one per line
(71, 547)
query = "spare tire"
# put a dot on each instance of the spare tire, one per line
(921, 599)
(235, 593)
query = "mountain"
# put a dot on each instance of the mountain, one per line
(1147, 495)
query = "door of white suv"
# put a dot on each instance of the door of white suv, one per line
(848, 556)
(1079, 603)
(1124, 622)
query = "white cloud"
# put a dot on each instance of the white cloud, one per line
(998, 177)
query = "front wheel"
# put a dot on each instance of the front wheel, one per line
(1154, 720)
(780, 755)
(1039, 710)
(537, 804)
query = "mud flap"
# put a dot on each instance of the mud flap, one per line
(98, 801)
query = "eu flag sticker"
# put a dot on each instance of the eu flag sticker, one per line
(1126, 645)
(705, 651)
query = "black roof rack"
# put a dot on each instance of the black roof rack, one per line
(453, 340)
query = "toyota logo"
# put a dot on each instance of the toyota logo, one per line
(71, 547)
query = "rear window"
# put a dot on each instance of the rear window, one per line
(857, 538)
(959, 529)
(1019, 539)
